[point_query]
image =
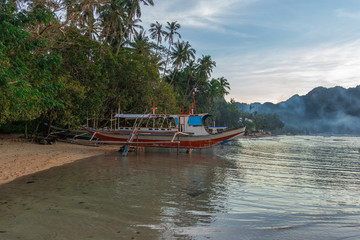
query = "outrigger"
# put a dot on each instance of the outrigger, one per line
(184, 130)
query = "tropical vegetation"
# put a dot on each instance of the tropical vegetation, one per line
(65, 61)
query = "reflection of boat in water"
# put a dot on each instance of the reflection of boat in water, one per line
(185, 130)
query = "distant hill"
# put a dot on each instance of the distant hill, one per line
(323, 110)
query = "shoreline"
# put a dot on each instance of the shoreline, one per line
(19, 157)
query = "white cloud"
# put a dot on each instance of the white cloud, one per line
(239, 34)
(345, 13)
(276, 76)
(209, 14)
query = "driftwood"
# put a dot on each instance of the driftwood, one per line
(45, 140)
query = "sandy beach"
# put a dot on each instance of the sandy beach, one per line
(19, 158)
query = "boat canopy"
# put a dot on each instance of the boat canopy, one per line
(193, 120)
(155, 116)
(132, 116)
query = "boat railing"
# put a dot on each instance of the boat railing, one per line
(166, 129)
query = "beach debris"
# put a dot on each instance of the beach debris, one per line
(45, 140)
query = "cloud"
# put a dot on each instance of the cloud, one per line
(204, 14)
(269, 50)
(277, 75)
(345, 13)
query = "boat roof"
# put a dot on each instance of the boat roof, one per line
(135, 116)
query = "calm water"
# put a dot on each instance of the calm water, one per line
(271, 188)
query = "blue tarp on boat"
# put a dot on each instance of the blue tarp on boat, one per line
(195, 121)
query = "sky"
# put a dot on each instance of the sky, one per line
(269, 50)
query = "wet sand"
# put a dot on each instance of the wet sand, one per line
(19, 158)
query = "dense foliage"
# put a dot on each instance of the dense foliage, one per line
(62, 62)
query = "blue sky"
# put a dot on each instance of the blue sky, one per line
(270, 50)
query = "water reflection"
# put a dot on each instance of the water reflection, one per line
(274, 188)
(109, 196)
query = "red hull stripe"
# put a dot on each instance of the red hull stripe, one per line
(165, 141)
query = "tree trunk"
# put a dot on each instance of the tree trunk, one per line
(108, 28)
(186, 90)
(126, 28)
(172, 79)
(195, 85)
(157, 47)
(112, 39)
(50, 123)
(26, 129)
(167, 60)
(37, 127)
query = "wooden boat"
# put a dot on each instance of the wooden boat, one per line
(71, 135)
(184, 130)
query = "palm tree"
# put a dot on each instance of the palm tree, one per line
(204, 69)
(172, 28)
(191, 76)
(223, 84)
(141, 42)
(132, 27)
(157, 33)
(86, 18)
(112, 16)
(206, 66)
(134, 10)
(214, 90)
(181, 53)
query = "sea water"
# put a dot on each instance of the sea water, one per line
(299, 187)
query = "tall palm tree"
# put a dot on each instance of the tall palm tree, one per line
(86, 18)
(133, 26)
(172, 28)
(223, 85)
(157, 33)
(133, 10)
(112, 16)
(181, 53)
(206, 66)
(213, 90)
(191, 76)
(204, 69)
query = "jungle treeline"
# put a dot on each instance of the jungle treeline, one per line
(65, 61)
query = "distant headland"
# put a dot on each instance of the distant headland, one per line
(322, 111)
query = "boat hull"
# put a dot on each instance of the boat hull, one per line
(166, 139)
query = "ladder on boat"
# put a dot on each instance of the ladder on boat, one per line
(133, 133)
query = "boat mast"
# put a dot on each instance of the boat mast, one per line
(118, 125)
(194, 102)
(153, 108)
